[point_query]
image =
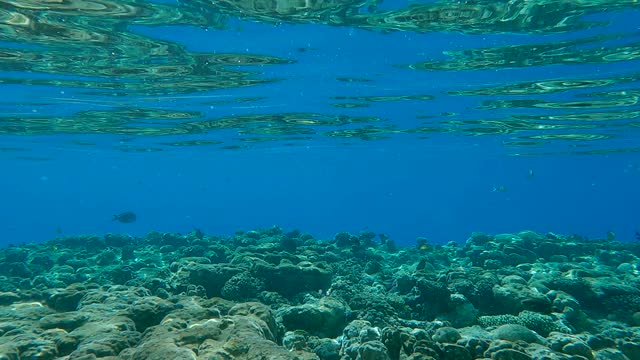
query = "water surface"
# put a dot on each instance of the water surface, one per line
(413, 118)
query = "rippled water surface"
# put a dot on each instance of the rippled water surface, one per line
(539, 76)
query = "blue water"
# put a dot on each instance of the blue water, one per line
(72, 155)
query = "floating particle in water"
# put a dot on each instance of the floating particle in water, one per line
(499, 189)
(632, 168)
(531, 174)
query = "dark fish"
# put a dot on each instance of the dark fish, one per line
(638, 236)
(126, 217)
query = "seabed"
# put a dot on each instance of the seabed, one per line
(275, 294)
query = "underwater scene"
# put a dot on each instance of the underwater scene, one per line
(320, 180)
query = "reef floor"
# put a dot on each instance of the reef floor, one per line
(271, 294)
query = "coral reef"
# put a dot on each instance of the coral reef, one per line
(271, 294)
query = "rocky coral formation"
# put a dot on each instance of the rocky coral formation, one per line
(270, 294)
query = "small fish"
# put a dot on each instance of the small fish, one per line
(425, 247)
(611, 235)
(638, 236)
(125, 217)
(58, 230)
(530, 174)
(499, 188)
